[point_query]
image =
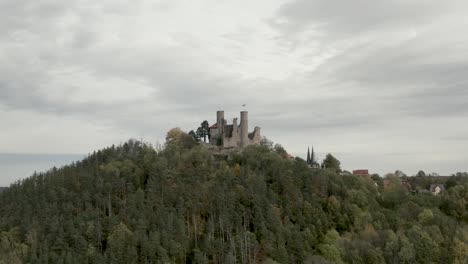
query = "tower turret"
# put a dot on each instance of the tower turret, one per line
(220, 121)
(244, 129)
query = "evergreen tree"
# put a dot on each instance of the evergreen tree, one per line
(204, 131)
(194, 135)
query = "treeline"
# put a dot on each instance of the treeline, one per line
(136, 204)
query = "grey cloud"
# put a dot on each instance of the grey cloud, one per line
(345, 19)
(403, 64)
(179, 80)
(403, 75)
(379, 70)
(180, 76)
(458, 137)
(319, 113)
(420, 74)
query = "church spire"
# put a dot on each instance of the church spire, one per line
(308, 155)
(312, 156)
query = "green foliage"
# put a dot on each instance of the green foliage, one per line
(12, 250)
(177, 138)
(330, 252)
(194, 135)
(134, 204)
(266, 142)
(427, 250)
(331, 162)
(280, 150)
(421, 174)
(203, 131)
(406, 253)
(425, 216)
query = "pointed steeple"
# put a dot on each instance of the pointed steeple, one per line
(308, 155)
(312, 156)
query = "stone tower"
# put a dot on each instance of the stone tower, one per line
(220, 122)
(244, 129)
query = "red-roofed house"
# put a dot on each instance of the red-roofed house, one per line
(361, 172)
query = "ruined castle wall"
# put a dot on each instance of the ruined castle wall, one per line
(220, 121)
(233, 140)
(255, 137)
(214, 136)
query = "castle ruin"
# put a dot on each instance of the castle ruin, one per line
(233, 136)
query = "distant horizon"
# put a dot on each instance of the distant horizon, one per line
(18, 166)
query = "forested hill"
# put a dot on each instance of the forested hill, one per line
(179, 204)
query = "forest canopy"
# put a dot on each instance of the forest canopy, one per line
(133, 203)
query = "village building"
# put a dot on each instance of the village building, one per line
(361, 172)
(437, 188)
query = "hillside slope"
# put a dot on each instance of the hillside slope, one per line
(135, 204)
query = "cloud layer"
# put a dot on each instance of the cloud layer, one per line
(364, 79)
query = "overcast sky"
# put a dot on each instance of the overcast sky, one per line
(380, 84)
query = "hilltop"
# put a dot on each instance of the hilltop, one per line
(179, 204)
